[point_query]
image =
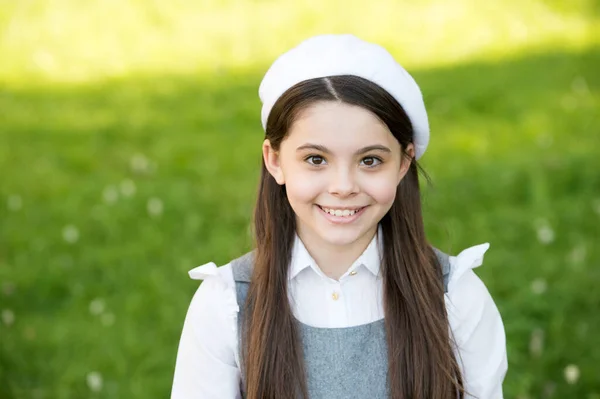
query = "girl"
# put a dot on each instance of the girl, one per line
(343, 296)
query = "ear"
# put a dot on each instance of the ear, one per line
(272, 162)
(406, 161)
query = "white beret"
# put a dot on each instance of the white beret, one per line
(331, 55)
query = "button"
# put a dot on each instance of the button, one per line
(353, 273)
(335, 296)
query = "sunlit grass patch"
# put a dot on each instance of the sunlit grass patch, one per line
(67, 40)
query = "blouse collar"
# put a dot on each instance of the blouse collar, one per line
(370, 258)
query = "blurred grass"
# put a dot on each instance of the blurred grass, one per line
(130, 151)
(67, 40)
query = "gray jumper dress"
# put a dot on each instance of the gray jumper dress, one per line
(341, 363)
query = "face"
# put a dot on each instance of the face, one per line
(341, 166)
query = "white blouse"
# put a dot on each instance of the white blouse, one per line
(208, 364)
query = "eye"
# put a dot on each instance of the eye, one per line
(371, 161)
(316, 160)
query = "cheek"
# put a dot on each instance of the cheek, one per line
(381, 188)
(302, 186)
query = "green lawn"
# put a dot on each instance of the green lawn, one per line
(130, 148)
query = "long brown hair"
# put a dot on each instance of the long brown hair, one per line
(420, 356)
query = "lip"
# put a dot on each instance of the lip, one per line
(342, 219)
(343, 208)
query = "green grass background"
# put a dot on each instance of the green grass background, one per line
(130, 148)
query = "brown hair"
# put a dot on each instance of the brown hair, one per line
(420, 356)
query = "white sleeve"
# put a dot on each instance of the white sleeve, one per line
(206, 364)
(476, 326)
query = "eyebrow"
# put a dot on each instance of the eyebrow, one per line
(318, 147)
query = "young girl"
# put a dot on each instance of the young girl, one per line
(343, 296)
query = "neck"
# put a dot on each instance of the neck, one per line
(335, 260)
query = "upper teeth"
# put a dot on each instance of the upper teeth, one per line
(339, 212)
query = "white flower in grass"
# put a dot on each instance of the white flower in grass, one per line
(127, 187)
(97, 306)
(94, 381)
(110, 194)
(545, 234)
(539, 286)
(139, 163)
(577, 254)
(70, 234)
(8, 317)
(155, 207)
(571, 373)
(14, 203)
(536, 342)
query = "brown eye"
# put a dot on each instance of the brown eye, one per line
(371, 161)
(316, 160)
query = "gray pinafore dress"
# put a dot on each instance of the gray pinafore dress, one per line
(341, 363)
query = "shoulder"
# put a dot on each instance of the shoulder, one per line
(216, 295)
(477, 327)
(467, 295)
(461, 265)
(210, 329)
(468, 300)
(211, 272)
(461, 276)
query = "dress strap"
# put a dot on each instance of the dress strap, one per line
(242, 267)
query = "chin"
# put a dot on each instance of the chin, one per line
(339, 237)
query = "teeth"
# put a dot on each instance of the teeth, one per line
(339, 212)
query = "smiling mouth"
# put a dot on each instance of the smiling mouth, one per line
(341, 212)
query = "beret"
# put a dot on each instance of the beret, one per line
(345, 54)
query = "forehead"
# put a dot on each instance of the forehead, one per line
(339, 125)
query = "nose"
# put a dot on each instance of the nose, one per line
(343, 183)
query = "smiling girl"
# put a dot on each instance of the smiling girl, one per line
(343, 296)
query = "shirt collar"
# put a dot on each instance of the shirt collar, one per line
(370, 258)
